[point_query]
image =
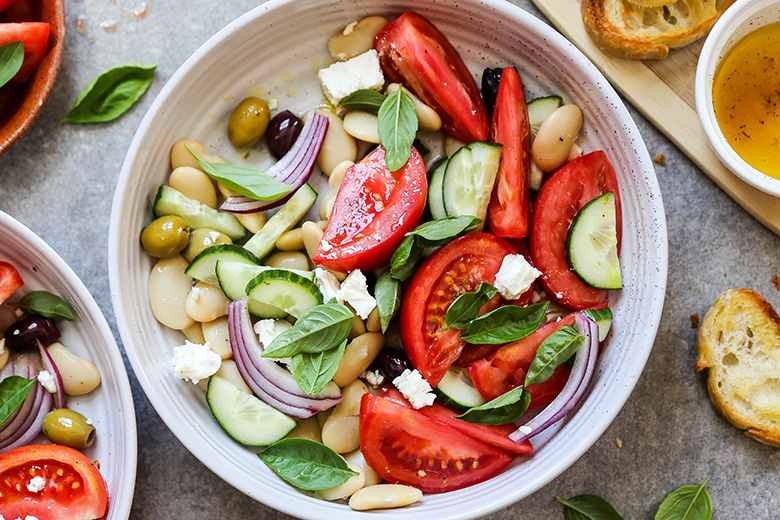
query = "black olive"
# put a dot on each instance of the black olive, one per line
(22, 334)
(490, 80)
(391, 362)
(282, 132)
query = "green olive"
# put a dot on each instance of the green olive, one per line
(63, 426)
(166, 237)
(203, 238)
(248, 122)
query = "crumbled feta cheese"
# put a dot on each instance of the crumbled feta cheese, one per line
(327, 283)
(193, 361)
(374, 377)
(273, 103)
(525, 430)
(354, 291)
(195, 293)
(345, 77)
(47, 380)
(36, 484)
(29, 517)
(267, 330)
(515, 276)
(66, 422)
(349, 28)
(415, 388)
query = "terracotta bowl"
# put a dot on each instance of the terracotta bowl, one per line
(26, 99)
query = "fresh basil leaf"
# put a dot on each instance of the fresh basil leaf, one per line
(111, 94)
(438, 232)
(13, 391)
(363, 99)
(421, 148)
(397, 128)
(404, 258)
(318, 329)
(11, 59)
(46, 304)
(466, 306)
(686, 503)
(313, 371)
(588, 507)
(388, 298)
(306, 464)
(505, 324)
(501, 410)
(553, 352)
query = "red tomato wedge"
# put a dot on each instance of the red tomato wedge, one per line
(492, 435)
(5, 4)
(10, 280)
(456, 268)
(561, 197)
(406, 447)
(413, 52)
(73, 488)
(373, 211)
(35, 36)
(509, 211)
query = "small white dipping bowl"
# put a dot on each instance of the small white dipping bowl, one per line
(739, 20)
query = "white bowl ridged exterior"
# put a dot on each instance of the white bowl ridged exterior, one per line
(110, 406)
(282, 39)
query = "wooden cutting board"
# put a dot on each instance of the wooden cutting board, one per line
(663, 92)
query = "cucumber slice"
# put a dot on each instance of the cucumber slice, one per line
(603, 318)
(456, 391)
(203, 267)
(469, 179)
(245, 417)
(170, 201)
(284, 289)
(435, 193)
(591, 247)
(540, 109)
(293, 210)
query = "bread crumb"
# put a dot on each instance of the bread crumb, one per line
(695, 321)
(724, 275)
(659, 159)
(776, 281)
(619, 443)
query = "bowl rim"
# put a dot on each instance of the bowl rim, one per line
(203, 451)
(712, 53)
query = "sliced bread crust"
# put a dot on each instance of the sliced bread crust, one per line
(739, 342)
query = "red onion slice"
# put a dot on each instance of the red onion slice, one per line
(22, 369)
(580, 378)
(32, 426)
(51, 367)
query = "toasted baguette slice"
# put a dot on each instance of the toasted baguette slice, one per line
(739, 342)
(635, 31)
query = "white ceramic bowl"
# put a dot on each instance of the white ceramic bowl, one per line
(256, 50)
(742, 18)
(110, 406)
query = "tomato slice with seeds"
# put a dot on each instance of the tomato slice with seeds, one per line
(73, 487)
(10, 280)
(35, 36)
(405, 447)
(456, 268)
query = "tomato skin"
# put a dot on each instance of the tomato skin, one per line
(456, 268)
(5, 4)
(373, 211)
(509, 211)
(89, 500)
(561, 197)
(35, 36)
(413, 52)
(10, 280)
(405, 447)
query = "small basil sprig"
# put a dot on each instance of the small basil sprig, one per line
(13, 391)
(111, 94)
(397, 124)
(388, 298)
(588, 507)
(306, 464)
(46, 304)
(505, 324)
(686, 503)
(363, 99)
(320, 328)
(313, 371)
(553, 352)
(465, 307)
(11, 59)
(243, 179)
(501, 410)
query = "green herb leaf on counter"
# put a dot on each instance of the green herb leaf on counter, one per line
(388, 298)
(501, 410)
(320, 328)
(13, 391)
(686, 503)
(243, 179)
(505, 324)
(313, 371)
(306, 464)
(465, 307)
(363, 99)
(111, 94)
(46, 304)
(588, 507)
(397, 128)
(11, 59)
(553, 352)
(439, 232)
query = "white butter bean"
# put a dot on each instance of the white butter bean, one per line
(427, 118)
(574, 153)
(357, 38)
(5, 355)
(337, 146)
(169, 288)
(340, 431)
(346, 489)
(202, 238)
(180, 156)
(216, 333)
(452, 145)
(312, 236)
(254, 222)
(334, 183)
(229, 370)
(373, 324)
(383, 496)
(288, 260)
(79, 376)
(358, 355)
(290, 240)
(194, 184)
(194, 333)
(307, 429)
(358, 327)
(556, 136)
(363, 126)
(206, 302)
(357, 457)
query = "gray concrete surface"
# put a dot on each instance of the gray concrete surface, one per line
(670, 433)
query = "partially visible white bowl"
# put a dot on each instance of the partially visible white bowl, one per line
(110, 406)
(742, 18)
(279, 46)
